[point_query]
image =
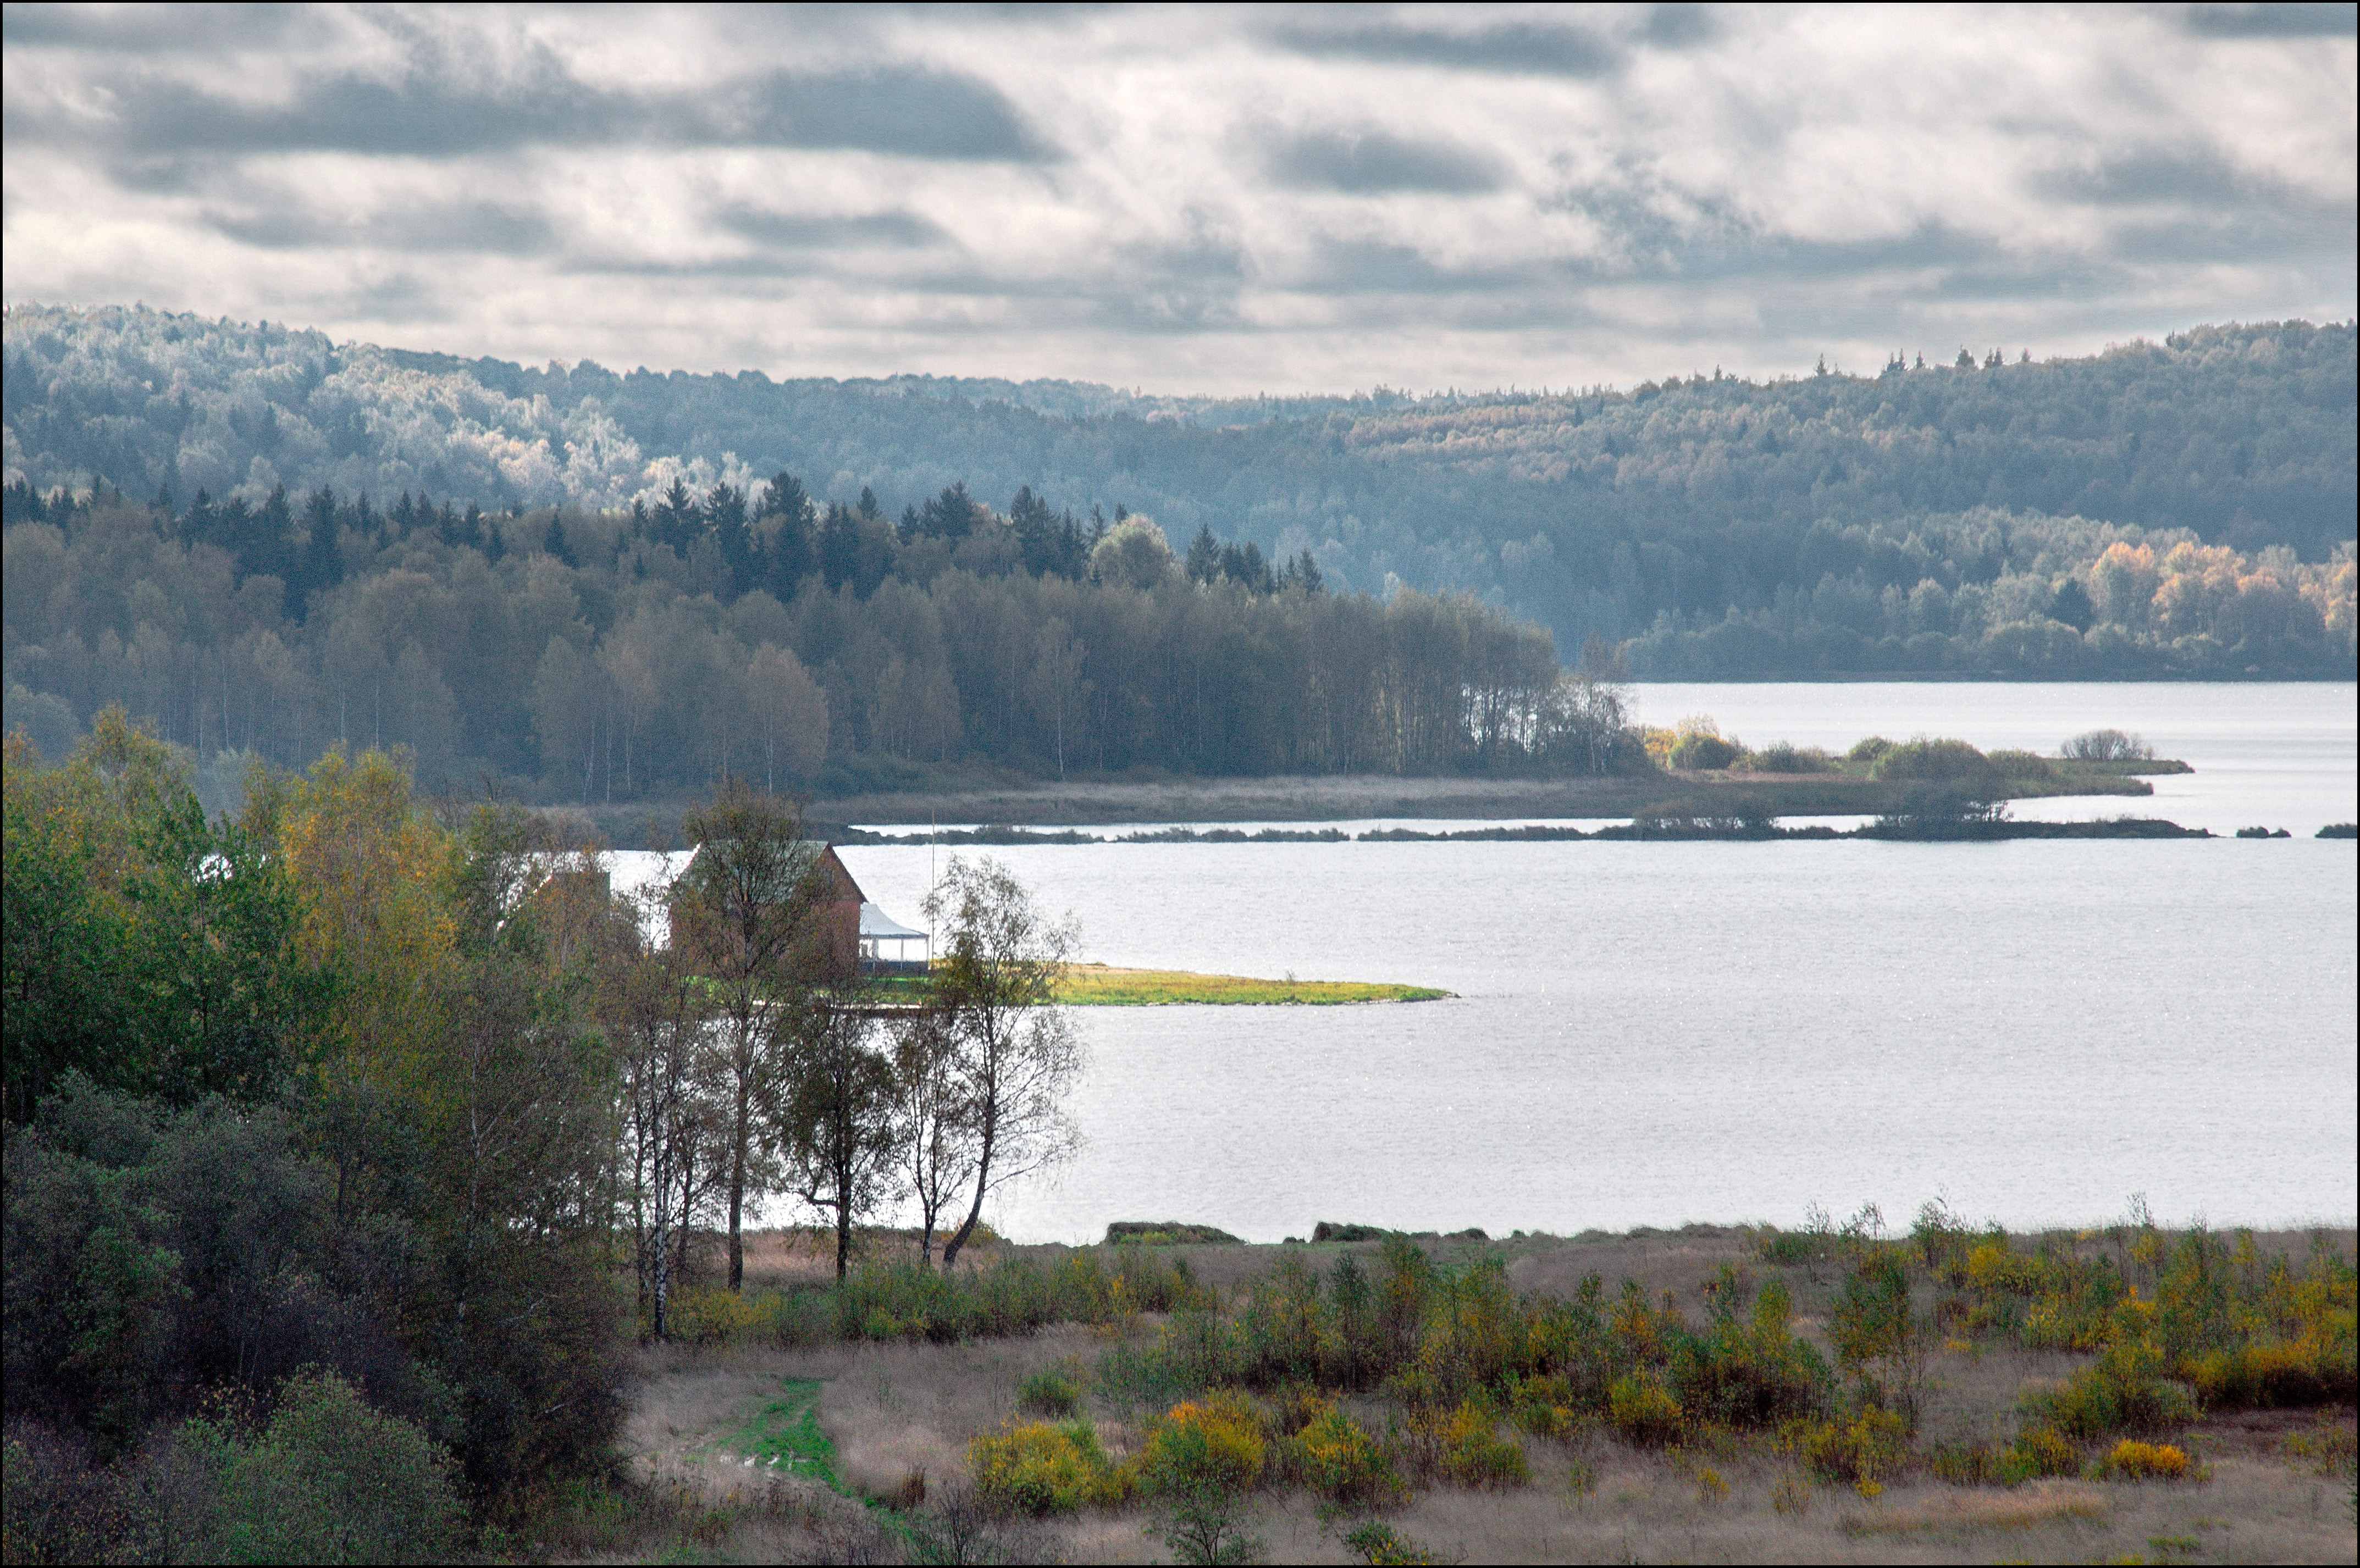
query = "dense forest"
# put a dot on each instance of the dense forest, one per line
(1806, 512)
(617, 656)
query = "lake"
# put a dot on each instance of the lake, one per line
(1651, 1033)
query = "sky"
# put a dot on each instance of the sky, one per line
(1223, 201)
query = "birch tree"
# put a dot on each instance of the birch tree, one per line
(750, 908)
(1016, 1052)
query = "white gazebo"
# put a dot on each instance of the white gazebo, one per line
(880, 931)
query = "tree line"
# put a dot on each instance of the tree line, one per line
(614, 656)
(350, 1139)
(1591, 512)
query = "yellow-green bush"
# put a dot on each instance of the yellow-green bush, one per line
(709, 1316)
(2037, 1450)
(1643, 1409)
(2124, 1390)
(1543, 1405)
(2132, 1460)
(2274, 1374)
(1038, 1468)
(1473, 1454)
(1872, 1444)
(1210, 1445)
(1344, 1463)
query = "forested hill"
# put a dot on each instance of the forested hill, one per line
(1925, 519)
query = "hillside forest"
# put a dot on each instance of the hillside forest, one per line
(2163, 508)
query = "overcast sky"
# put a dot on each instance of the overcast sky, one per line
(1191, 201)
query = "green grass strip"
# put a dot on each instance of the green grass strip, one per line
(782, 1436)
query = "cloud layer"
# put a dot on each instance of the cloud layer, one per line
(1206, 200)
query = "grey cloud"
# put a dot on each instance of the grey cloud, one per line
(910, 112)
(1369, 162)
(147, 30)
(1520, 48)
(789, 231)
(484, 227)
(914, 113)
(2282, 21)
(1680, 26)
(2148, 177)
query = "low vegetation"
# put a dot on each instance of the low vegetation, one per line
(1749, 1392)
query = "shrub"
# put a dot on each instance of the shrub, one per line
(1871, 1444)
(1473, 1454)
(1167, 1233)
(1215, 1443)
(1643, 1409)
(1699, 750)
(1925, 759)
(1049, 1392)
(331, 1480)
(1344, 1464)
(1783, 758)
(2273, 1375)
(2134, 1461)
(1040, 1469)
(2124, 1390)
(1868, 750)
(2037, 1450)
(2023, 766)
(709, 1316)
(1964, 1464)
(1379, 1542)
(1330, 1230)
(1207, 1525)
(2106, 746)
(1755, 1374)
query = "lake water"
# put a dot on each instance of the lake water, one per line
(1650, 1033)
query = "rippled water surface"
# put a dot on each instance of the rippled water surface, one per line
(1648, 1033)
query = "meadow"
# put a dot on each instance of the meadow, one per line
(1843, 1392)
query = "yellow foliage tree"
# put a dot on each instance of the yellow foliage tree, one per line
(373, 873)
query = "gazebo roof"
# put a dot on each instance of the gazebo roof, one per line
(876, 922)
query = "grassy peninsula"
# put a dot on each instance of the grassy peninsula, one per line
(1113, 986)
(1101, 985)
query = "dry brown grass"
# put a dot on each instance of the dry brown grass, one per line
(895, 1410)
